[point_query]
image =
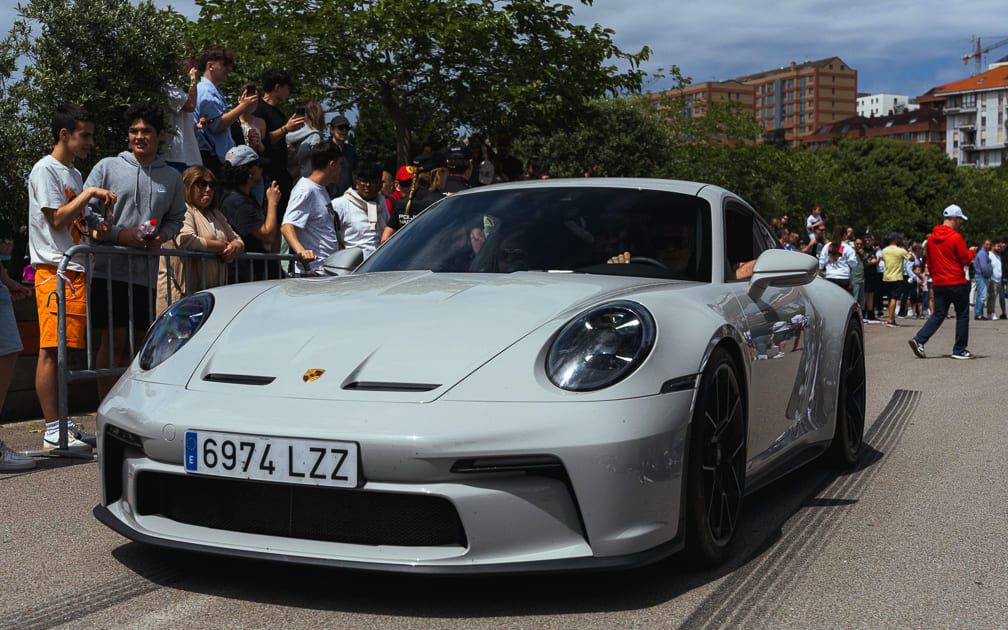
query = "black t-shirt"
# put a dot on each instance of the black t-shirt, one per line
(511, 167)
(421, 200)
(276, 151)
(245, 216)
(456, 183)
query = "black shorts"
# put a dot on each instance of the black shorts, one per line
(892, 290)
(143, 305)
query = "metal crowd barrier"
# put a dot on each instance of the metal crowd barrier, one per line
(246, 267)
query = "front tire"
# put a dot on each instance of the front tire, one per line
(848, 435)
(717, 459)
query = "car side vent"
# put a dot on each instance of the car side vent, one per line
(239, 379)
(375, 386)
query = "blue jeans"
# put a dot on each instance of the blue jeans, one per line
(857, 289)
(957, 296)
(981, 295)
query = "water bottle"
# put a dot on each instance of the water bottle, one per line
(148, 229)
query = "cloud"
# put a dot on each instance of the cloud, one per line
(897, 46)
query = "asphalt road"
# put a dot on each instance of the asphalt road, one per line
(915, 537)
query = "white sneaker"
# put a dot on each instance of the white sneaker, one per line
(76, 439)
(994, 318)
(11, 461)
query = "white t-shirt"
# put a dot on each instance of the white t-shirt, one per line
(839, 269)
(180, 143)
(358, 226)
(308, 211)
(995, 260)
(51, 185)
(808, 225)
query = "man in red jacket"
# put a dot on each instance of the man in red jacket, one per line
(947, 254)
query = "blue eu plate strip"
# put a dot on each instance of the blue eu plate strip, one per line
(191, 452)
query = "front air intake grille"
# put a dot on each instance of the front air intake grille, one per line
(305, 512)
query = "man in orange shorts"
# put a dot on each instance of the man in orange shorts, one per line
(58, 217)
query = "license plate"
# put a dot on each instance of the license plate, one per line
(284, 460)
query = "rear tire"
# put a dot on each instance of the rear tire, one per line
(848, 435)
(715, 478)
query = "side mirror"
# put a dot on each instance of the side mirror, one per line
(781, 268)
(343, 262)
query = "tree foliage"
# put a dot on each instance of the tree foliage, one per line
(620, 134)
(480, 64)
(101, 54)
(871, 184)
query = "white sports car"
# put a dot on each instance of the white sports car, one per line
(546, 376)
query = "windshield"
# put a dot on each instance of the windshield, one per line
(557, 229)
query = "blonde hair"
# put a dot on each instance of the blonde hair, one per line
(314, 116)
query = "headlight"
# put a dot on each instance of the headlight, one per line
(600, 347)
(174, 328)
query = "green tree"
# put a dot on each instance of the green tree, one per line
(623, 135)
(480, 64)
(101, 54)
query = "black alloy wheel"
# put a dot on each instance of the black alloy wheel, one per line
(848, 436)
(717, 462)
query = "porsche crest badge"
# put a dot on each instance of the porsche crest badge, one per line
(313, 375)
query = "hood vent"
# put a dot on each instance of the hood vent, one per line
(374, 386)
(239, 379)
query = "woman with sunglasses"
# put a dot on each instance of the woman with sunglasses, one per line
(204, 229)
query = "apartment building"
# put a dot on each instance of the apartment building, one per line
(869, 105)
(923, 126)
(792, 102)
(697, 97)
(976, 118)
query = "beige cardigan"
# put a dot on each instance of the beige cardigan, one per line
(197, 227)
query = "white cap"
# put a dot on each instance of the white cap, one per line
(954, 211)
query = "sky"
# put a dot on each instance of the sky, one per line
(897, 46)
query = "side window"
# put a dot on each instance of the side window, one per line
(769, 240)
(744, 238)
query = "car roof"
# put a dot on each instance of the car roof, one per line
(670, 185)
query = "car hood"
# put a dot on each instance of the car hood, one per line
(397, 336)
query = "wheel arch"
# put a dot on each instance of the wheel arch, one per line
(729, 338)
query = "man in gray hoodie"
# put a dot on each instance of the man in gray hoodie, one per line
(149, 194)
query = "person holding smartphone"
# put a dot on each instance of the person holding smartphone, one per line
(276, 86)
(253, 127)
(302, 140)
(212, 117)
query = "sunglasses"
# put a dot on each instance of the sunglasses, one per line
(204, 183)
(343, 127)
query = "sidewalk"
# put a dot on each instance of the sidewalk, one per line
(26, 435)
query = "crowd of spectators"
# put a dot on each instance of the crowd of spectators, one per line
(891, 277)
(888, 275)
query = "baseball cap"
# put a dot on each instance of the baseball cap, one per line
(338, 121)
(243, 154)
(457, 158)
(429, 161)
(954, 211)
(405, 173)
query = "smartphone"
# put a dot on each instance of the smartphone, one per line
(250, 88)
(299, 111)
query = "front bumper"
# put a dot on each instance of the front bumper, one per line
(616, 503)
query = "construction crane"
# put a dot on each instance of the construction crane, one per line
(979, 52)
